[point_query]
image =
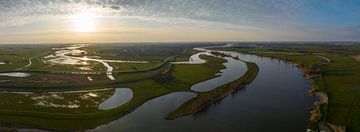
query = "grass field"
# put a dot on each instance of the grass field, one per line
(133, 66)
(19, 57)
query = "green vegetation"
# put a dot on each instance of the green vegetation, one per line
(140, 52)
(154, 85)
(43, 80)
(16, 58)
(191, 74)
(185, 55)
(62, 102)
(133, 66)
(339, 78)
(204, 99)
(19, 56)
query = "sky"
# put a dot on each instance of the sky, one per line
(111, 21)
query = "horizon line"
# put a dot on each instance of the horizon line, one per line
(188, 42)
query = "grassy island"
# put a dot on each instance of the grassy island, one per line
(204, 99)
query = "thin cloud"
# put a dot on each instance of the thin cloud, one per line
(274, 18)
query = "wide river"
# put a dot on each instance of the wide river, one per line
(275, 101)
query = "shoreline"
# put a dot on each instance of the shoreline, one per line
(206, 99)
(319, 107)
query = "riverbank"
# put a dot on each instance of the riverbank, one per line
(316, 67)
(205, 99)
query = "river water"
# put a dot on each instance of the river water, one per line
(120, 97)
(275, 101)
(61, 56)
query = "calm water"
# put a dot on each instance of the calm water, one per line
(15, 74)
(62, 57)
(234, 69)
(120, 97)
(149, 114)
(275, 101)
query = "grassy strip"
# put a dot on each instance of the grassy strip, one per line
(130, 76)
(203, 100)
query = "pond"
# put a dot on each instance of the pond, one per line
(15, 74)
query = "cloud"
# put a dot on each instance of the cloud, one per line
(228, 11)
(272, 18)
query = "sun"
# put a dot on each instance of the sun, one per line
(84, 22)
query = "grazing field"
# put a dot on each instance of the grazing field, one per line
(333, 71)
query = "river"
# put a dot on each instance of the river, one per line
(275, 101)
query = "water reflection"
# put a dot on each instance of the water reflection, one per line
(234, 69)
(194, 59)
(149, 116)
(120, 97)
(68, 56)
(15, 74)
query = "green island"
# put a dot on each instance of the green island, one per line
(204, 99)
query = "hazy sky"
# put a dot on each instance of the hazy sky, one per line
(64, 21)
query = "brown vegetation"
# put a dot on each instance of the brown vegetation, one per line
(336, 128)
(356, 57)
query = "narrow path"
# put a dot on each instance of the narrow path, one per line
(30, 62)
(325, 58)
(26, 65)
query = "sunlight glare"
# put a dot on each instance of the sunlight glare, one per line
(84, 22)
